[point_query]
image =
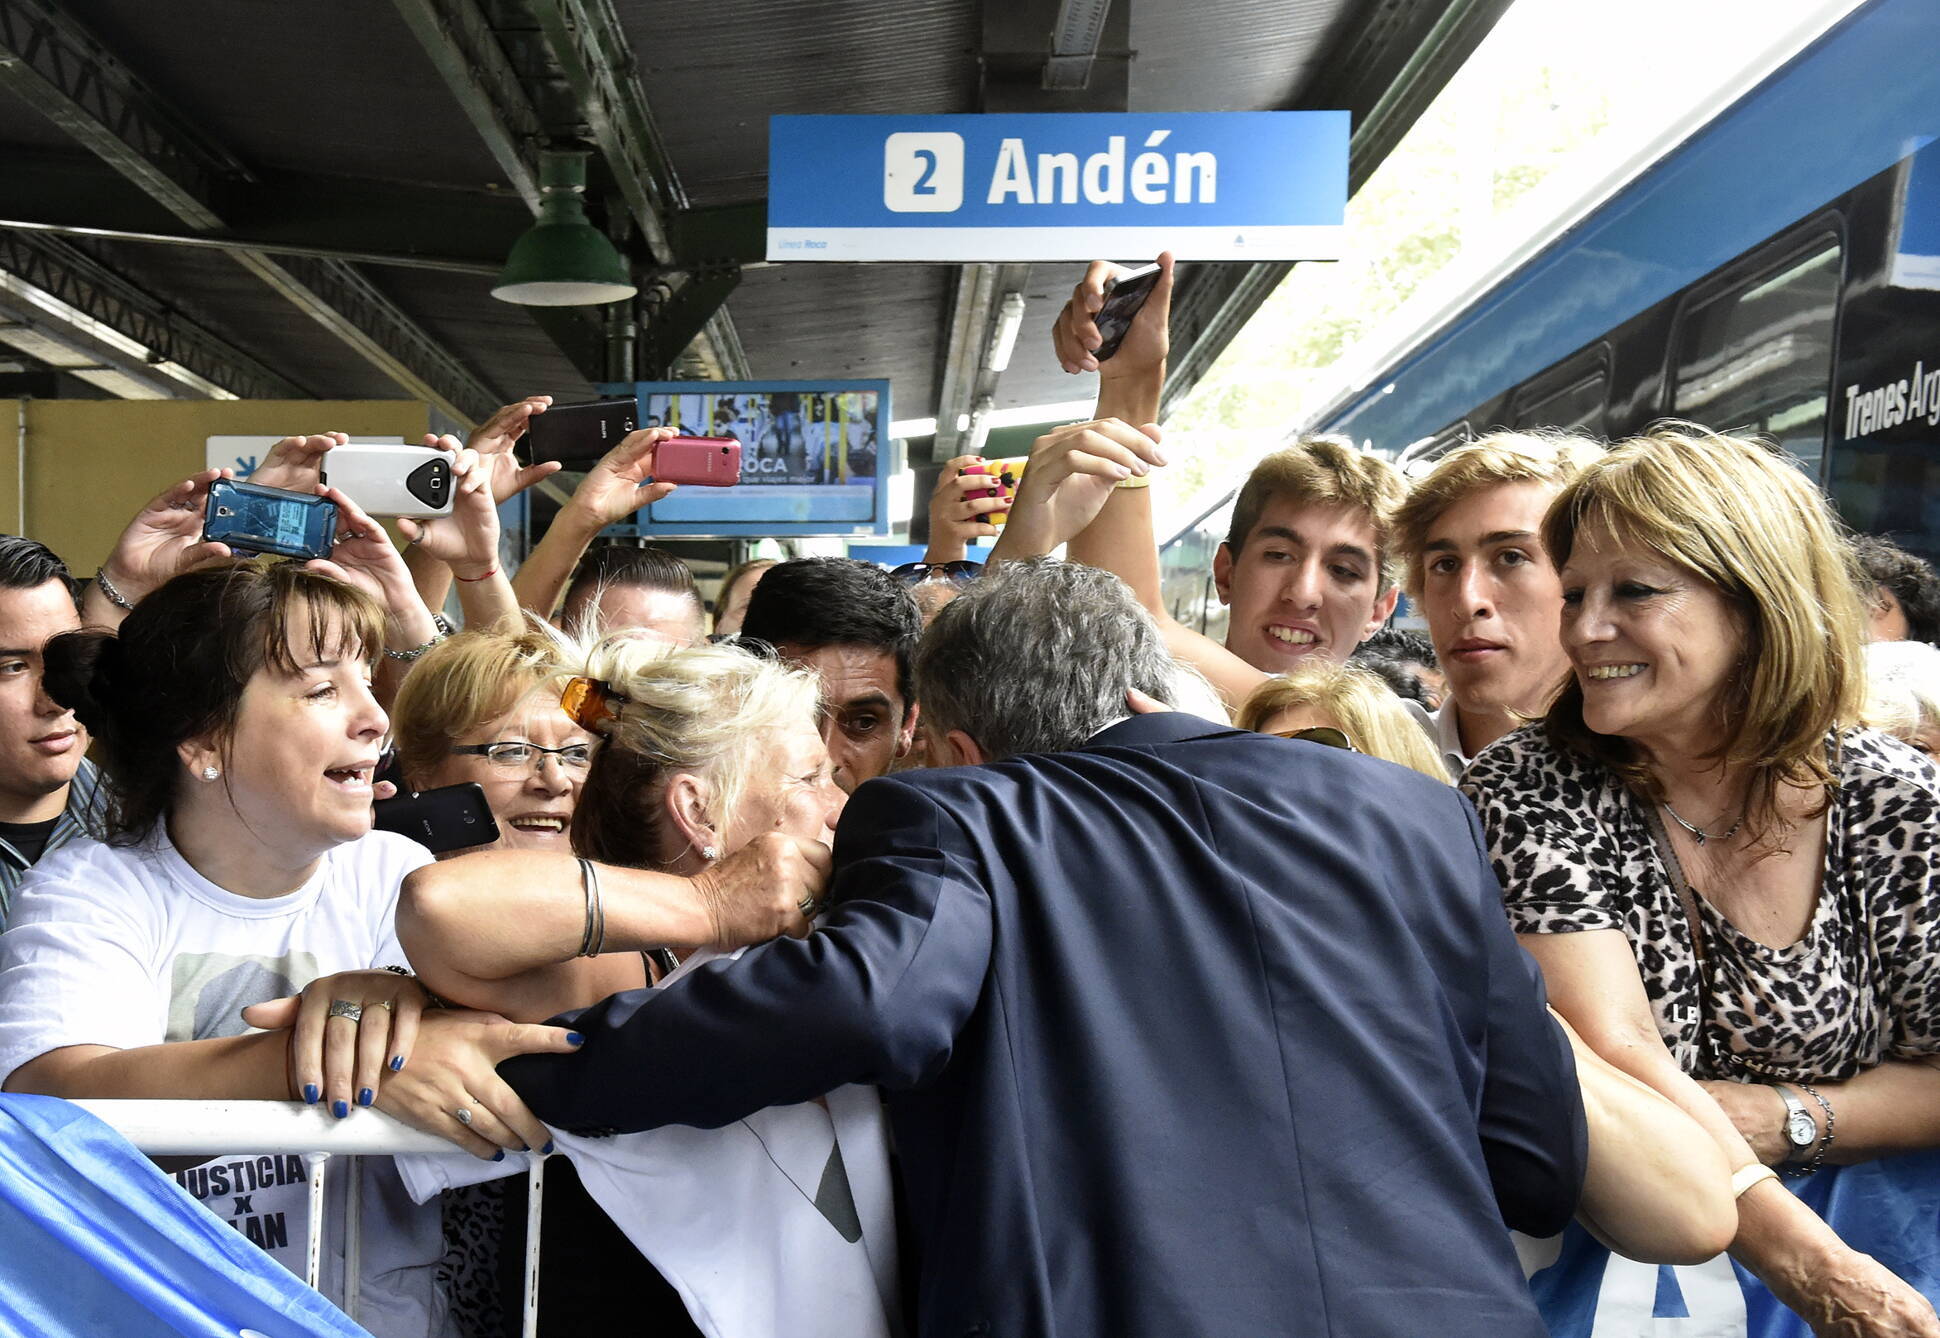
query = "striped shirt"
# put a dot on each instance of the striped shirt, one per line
(80, 818)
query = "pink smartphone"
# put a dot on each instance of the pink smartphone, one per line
(707, 462)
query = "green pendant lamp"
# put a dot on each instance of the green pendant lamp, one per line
(563, 261)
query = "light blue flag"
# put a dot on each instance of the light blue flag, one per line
(1888, 1208)
(95, 1241)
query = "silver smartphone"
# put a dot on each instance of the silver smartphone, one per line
(390, 480)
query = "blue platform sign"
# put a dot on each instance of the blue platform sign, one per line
(1204, 185)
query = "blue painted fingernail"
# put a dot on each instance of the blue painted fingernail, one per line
(574, 1038)
(310, 1094)
(546, 1151)
(499, 1155)
(397, 1063)
(365, 1096)
(340, 1109)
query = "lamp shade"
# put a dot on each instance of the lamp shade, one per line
(562, 260)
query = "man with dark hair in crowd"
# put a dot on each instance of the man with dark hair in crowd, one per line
(1905, 599)
(856, 626)
(618, 587)
(47, 785)
(1182, 1030)
(1406, 660)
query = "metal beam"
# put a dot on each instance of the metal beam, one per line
(98, 297)
(280, 213)
(589, 44)
(466, 46)
(52, 63)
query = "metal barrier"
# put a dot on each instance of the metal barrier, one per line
(212, 1128)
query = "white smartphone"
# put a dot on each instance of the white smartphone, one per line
(413, 481)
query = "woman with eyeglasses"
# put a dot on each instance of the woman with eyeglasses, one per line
(1342, 705)
(484, 707)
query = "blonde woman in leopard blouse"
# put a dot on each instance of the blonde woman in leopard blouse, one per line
(1734, 895)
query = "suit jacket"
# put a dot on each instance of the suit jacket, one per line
(1187, 1032)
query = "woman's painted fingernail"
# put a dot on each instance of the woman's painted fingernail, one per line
(397, 1063)
(340, 1109)
(499, 1155)
(547, 1150)
(574, 1038)
(310, 1094)
(365, 1096)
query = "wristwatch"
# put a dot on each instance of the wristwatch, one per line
(1801, 1130)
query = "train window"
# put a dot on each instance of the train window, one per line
(1569, 396)
(1420, 456)
(1757, 356)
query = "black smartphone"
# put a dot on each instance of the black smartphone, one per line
(452, 817)
(255, 519)
(1123, 299)
(577, 435)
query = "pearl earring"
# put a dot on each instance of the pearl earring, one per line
(210, 773)
(710, 854)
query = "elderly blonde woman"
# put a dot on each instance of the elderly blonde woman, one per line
(484, 707)
(1323, 695)
(1731, 890)
(780, 1223)
(1903, 692)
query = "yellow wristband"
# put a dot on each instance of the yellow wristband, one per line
(1135, 481)
(1747, 1176)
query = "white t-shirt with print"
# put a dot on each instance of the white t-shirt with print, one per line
(130, 946)
(781, 1225)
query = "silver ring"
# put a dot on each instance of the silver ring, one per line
(463, 1116)
(345, 1008)
(808, 906)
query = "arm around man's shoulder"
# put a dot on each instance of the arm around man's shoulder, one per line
(876, 995)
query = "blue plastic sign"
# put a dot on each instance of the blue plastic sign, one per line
(1204, 185)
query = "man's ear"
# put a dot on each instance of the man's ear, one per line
(1383, 610)
(1223, 572)
(968, 753)
(686, 804)
(906, 739)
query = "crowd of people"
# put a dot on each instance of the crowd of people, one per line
(978, 949)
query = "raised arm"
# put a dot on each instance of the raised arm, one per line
(502, 930)
(876, 995)
(163, 540)
(464, 546)
(1594, 983)
(612, 490)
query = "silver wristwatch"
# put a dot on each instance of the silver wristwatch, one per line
(1801, 1130)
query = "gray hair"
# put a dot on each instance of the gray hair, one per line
(1036, 657)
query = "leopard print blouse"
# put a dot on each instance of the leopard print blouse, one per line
(1572, 849)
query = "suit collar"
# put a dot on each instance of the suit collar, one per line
(1142, 731)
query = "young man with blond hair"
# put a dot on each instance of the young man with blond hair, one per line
(1303, 565)
(1469, 539)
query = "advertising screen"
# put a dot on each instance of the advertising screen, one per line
(814, 456)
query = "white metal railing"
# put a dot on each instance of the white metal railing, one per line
(212, 1128)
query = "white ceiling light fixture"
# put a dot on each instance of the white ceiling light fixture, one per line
(1003, 340)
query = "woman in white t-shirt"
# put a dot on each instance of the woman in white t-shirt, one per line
(712, 770)
(239, 739)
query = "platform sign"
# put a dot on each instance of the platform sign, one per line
(1205, 185)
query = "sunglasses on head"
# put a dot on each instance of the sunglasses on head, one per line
(1325, 735)
(590, 703)
(915, 573)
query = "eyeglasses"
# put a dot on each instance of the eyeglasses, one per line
(511, 755)
(1326, 735)
(590, 703)
(915, 573)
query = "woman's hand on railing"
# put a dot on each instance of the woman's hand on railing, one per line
(455, 1068)
(347, 1032)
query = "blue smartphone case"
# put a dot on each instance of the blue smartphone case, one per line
(252, 518)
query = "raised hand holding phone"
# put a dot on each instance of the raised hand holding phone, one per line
(623, 480)
(1141, 347)
(1071, 476)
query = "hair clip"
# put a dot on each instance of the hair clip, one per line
(591, 703)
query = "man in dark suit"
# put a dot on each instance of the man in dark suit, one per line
(1182, 1030)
